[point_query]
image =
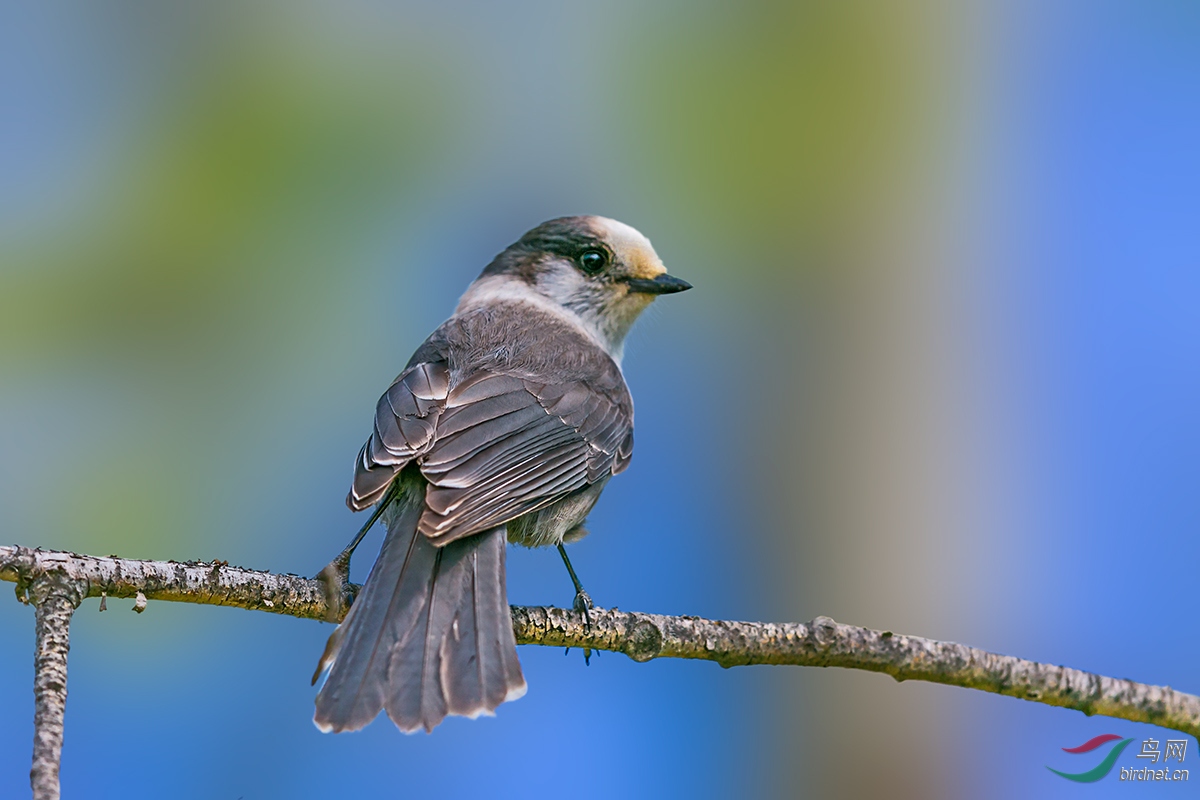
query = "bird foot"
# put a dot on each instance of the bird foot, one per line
(583, 603)
(335, 582)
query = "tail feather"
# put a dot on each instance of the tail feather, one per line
(477, 667)
(429, 635)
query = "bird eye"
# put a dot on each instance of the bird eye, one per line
(592, 261)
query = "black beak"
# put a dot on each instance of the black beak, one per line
(663, 284)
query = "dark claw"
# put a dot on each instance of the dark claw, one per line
(335, 581)
(583, 602)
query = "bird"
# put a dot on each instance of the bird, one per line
(505, 426)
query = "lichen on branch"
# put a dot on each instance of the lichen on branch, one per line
(819, 643)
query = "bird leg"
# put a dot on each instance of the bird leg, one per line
(335, 577)
(583, 601)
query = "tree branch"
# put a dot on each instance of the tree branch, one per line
(820, 643)
(55, 596)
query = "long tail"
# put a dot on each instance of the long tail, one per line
(429, 634)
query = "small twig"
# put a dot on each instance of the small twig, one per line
(820, 643)
(55, 597)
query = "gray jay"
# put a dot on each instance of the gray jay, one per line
(506, 425)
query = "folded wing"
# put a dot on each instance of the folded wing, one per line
(494, 446)
(406, 419)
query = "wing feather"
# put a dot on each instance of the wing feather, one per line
(560, 437)
(496, 443)
(405, 426)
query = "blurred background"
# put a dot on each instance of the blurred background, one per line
(948, 252)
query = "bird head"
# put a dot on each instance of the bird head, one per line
(600, 270)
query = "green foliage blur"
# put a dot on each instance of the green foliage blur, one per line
(228, 225)
(242, 218)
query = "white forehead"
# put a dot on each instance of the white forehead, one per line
(630, 242)
(621, 235)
